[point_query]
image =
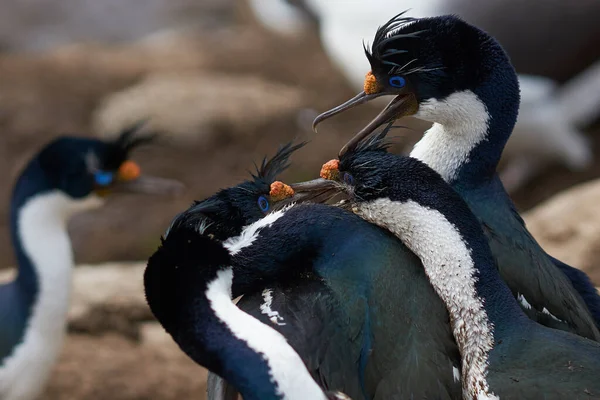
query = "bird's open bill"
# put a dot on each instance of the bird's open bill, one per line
(317, 190)
(400, 106)
(147, 184)
(129, 179)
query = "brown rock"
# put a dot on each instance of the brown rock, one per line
(197, 105)
(109, 297)
(112, 367)
(567, 226)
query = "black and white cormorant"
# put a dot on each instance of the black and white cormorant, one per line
(505, 355)
(68, 176)
(346, 295)
(451, 73)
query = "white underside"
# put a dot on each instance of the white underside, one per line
(43, 233)
(287, 370)
(450, 269)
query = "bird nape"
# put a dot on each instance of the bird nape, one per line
(451, 73)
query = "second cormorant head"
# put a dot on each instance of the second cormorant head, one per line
(439, 69)
(231, 209)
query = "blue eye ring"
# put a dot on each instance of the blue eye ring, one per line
(263, 204)
(348, 179)
(397, 81)
(103, 178)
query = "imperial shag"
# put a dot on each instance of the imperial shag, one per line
(505, 355)
(448, 72)
(67, 176)
(550, 116)
(345, 294)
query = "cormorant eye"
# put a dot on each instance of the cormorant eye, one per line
(263, 204)
(397, 81)
(348, 179)
(103, 178)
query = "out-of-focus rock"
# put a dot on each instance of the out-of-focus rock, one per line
(37, 25)
(113, 367)
(167, 52)
(111, 283)
(567, 226)
(195, 106)
(109, 297)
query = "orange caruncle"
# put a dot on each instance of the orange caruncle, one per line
(330, 170)
(371, 85)
(280, 191)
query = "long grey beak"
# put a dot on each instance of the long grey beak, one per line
(316, 191)
(147, 184)
(359, 99)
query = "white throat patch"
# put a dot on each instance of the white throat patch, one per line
(42, 229)
(460, 123)
(449, 266)
(287, 369)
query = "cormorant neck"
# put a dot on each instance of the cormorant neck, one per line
(288, 249)
(462, 271)
(195, 307)
(38, 223)
(470, 129)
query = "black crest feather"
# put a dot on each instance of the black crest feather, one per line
(376, 142)
(127, 140)
(386, 34)
(271, 168)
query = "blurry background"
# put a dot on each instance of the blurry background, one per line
(225, 90)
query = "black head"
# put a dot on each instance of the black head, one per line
(425, 60)
(368, 172)
(430, 58)
(82, 166)
(232, 208)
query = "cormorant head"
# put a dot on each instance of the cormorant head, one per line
(423, 62)
(80, 167)
(231, 209)
(368, 172)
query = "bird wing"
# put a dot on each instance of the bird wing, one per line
(408, 347)
(544, 291)
(365, 320)
(545, 363)
(583, 285)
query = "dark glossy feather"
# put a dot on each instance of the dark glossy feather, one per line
(353, 310)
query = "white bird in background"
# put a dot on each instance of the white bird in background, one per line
(547, 130)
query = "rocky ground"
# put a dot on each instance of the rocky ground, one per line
(222, 100)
